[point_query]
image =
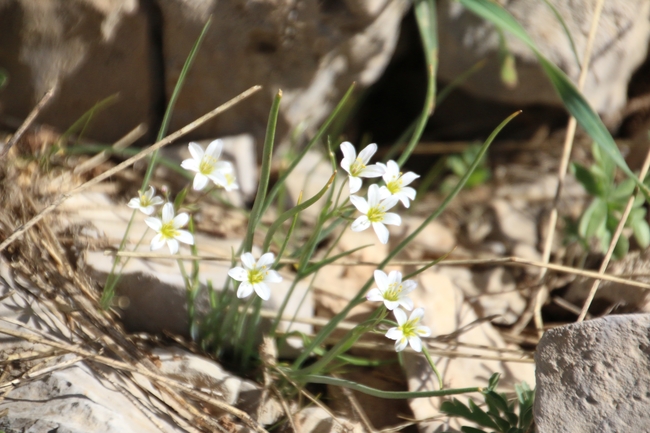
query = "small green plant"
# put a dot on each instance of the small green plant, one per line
(501, 414)
(610, 198)
(459, 164)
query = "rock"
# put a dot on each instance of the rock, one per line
(446, 312)
(513, 223)
(434, 240)
(95, 48)
(593, 376)
(620, 47)
(91, 49)
(317, 420)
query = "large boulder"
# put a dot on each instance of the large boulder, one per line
(620, 46)
(93, 49)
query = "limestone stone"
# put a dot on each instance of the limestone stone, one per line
(593, 376)
(620, 47)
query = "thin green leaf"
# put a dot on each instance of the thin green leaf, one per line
(293, 211)
(316, 266)
(480, 417)
(566, 32)
(321, 131)
(396, 395)
(265, 173)
(574, 102)
(494, 381)
(467, 429)
(425, 16)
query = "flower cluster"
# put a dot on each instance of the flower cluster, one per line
(254, 276)
(380, 200)
(392, 291)
(208, 166)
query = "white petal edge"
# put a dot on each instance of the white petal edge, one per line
(367, 153)
(381, 279)
(262, 290)
(392, 219)
(360, 224)
(265, 260)
(381, 231)
(248, 261)
(200, 181)
(167, 213)
(400, 316)
(238, 273)
(185, 237)
(355, 184)
(196, 151)
(244, 290)
(173, 245)
(153, 223)
(157, 242)
(360, 203)
(273, 277)
(349, 151)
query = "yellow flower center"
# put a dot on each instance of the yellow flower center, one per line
(357, 167)
(376, 214)
(144, 200)
(408, 328)
(255, 276)
(207, 164)
(394, 186)
(393, 292)
(168, 231)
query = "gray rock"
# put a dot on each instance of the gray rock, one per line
(593, 376)
(92, 49)
(620, 47)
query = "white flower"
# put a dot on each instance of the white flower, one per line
(206, 164)
(358, 167)
(145, 202)
(168, 229)
(374, 212)
(396, 183)
(230, 181)
(391, 290)
(409, 331)
(255, 276)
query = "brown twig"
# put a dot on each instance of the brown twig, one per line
(29, 120)
(165, 141)
(542, 291)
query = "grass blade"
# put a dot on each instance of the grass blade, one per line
(573, 100)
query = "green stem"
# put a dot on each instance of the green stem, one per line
(433, 365)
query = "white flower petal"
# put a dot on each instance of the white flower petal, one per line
(384, 193)
(404, 199)
(415, 343)
(180, 220)
(200, 181)
(355, 184)
(409, 177)
(375, 295)
(409, 192)
(381, 279)
(248, 261)
(417, 314)
(154, 223)
(372, 171)
(406, 302)
(401, 344)
(373, 195)
(392, 219)
(394, 333)
(389, 202)
(214, 148)
(408, 286)
(381, 231)
(196, 151)
(185, 237)
(190, 164)
(423, 331)
(360, 224)
(262, 290)
(360, 203)
(167, 213)
(367, 153)
(147, 210)
(265, 260)
(394, 277)
(392, 168)
(273, 277)
(391, 305)
(238, 273)
(349, 152)
(157, 242)
(134, 203)
(173, 245)
(400, 316)
(244, 290)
